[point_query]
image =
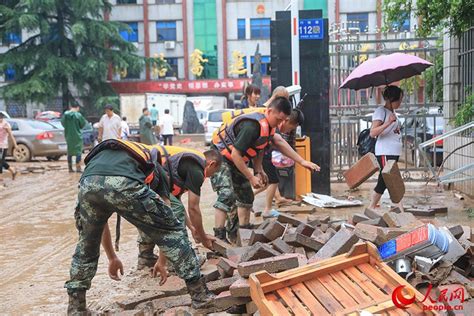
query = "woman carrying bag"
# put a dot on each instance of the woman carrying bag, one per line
(386, 128)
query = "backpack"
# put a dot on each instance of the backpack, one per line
(365, 142)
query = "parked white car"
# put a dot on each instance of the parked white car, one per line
(212, 120)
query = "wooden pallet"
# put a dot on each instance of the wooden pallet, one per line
(343, 285)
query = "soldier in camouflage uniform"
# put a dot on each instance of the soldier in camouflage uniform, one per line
(116, 179)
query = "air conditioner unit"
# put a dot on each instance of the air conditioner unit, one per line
(170, 44)
(135, 44)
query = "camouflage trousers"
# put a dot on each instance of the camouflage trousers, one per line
(139, 205)
(146, 242)
(232, 188)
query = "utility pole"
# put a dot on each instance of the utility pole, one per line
(295, 45)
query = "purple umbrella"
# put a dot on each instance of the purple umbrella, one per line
(384, 70)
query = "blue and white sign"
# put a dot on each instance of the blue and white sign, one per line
(311, 29)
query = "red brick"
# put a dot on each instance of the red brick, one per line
(457, 231)
(221, 247)
(373, 213)
(240, 288)
(400, 220)
(340, 243)
(304, 229)
(210, 273)
(274, 264)
(225, 300)
(259, 251)
(368, 232)
(226, 267)
(281, 246)
(235, 254)
(221, 285)
(361, 170)
(316, 220)
(387, 233)
(287, 219)
(317, 232)
(298, 240)
(393, 180)
(264, 224)
(243, 236)
(257, 235)
(375, 222)
(357, 218)
(324, 227)
(273, 231)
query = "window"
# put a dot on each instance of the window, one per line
(265, 67)
(10, 74)
(130, 35)
(165, 1)
(126, 1)
(405, 25)
(260, 28)
(133, 74)
(173, 62)
(166, 30)
(11, 38)
(241, 28)
(358, 20)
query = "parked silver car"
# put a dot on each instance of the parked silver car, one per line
(212, 120)
(36, 139)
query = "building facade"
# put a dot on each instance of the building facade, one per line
(220, 29)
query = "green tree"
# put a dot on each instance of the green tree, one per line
(455, 15)
(68, 51)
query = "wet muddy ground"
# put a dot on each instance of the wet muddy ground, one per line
(38, 237)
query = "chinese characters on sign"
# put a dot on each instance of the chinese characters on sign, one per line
(311, 29)
(184, 86)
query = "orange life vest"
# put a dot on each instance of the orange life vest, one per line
(171, 166)
(145, 157)
(224, 139)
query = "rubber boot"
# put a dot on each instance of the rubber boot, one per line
(146, 257)
(220, 233)
(69, 166)
(200, 295)
(77, 303)
(78, 168)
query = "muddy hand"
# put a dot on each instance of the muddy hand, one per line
(207, 241)
(160, 268)
(115, 267)
(255, 182)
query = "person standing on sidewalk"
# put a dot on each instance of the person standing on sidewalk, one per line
(5, 133)
(146, 128)
(73, 122)
(167, 130)
(386, 128)
(110, 125)
(154, 115)
(125, 128)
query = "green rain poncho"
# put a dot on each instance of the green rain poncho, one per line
(146, 130)
(73, 122)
